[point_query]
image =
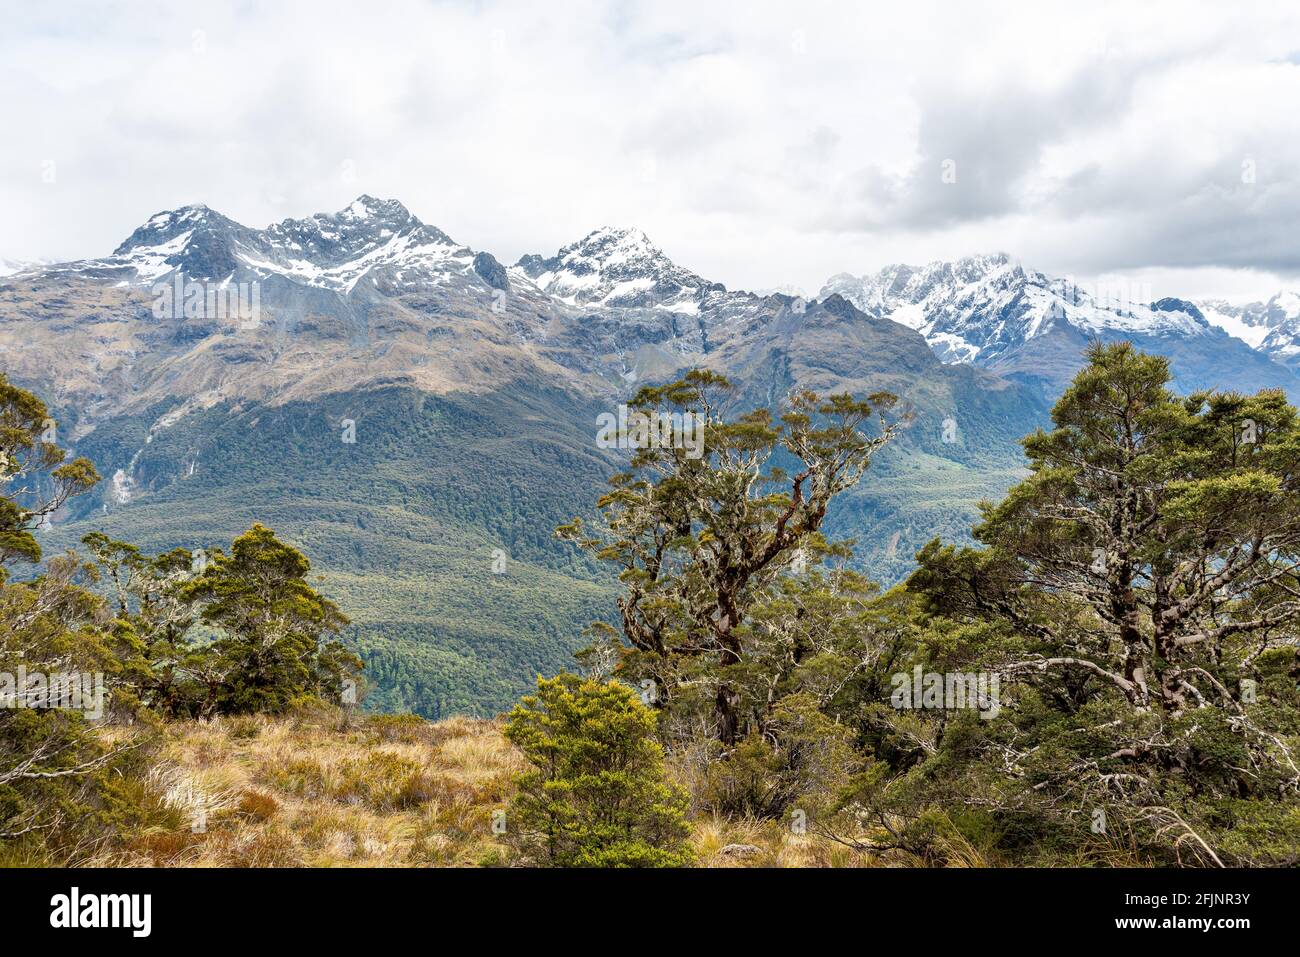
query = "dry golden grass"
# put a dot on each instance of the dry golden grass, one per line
(314, 790)
(778, 845)
(311, 790)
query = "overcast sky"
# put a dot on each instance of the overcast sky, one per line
(762, 145)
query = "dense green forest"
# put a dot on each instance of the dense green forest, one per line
(1103, 671)
(406, 524)
(434, 527)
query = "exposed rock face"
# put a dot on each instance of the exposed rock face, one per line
(491, 271)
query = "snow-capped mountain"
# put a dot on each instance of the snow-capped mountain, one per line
(980, 308)
(370, 238)
(409, 405)
(301, 307)
(1272, 327)
(617, 267)
(371, 294)
(1246, 322)
(614, 303)
(991, 311)
(471, 385)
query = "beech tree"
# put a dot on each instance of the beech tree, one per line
(35, 479)
(150, 600)
(1139, 595)
(53, 768)
(278, 634)
(701, 541)
(1155, 547)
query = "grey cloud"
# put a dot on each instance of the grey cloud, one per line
(988, 142)
(769, 160)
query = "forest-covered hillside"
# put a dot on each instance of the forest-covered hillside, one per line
(1104, 671)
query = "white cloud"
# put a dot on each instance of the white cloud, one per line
(760, 144)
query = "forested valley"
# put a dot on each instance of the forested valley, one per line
(1103, 674)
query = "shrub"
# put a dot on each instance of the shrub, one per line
(596, 795)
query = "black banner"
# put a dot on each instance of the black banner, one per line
(940, 907)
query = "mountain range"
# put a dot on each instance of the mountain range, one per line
(418, 416)
(993, 312)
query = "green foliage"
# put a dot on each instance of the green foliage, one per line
(35, 480)
(1137, 595)
(61, 785)
(1134, 598)
(275, 646)
(226, 634)
(136, 635)
(703, 541)
(803, 763)
(597, 795)
(400, 526)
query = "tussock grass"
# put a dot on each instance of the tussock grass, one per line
(318, 788)
(778, 845)
(321, 789)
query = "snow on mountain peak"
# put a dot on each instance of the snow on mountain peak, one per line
(616, 243)
(163, 228)
(979, 307)
(366, 206)
(613, 248)
(616, 266)
(327, 250)
(976, 309)
(1256, 323)
(368, 231)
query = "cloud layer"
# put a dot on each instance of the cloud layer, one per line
(759, 144)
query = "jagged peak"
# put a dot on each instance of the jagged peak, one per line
(968, 268)
(621, 234)
(614, 265)
(366, 206)
(365, 221)
(169, 223)
(608, 246)
(613, 244)
(188, 210)
(363, 210)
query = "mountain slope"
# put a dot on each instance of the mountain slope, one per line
(992, 312)
(418, 417)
